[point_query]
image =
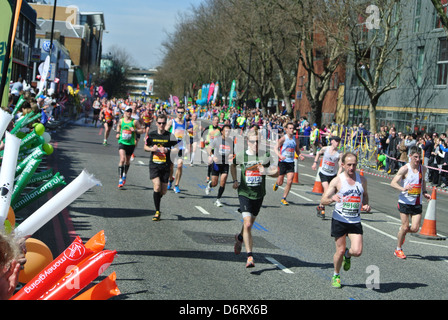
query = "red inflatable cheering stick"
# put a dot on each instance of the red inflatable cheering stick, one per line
(80, 276)
(104, 290)
(74, 254)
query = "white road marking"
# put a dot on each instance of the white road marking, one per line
(279, 265)
(298, 195)
(202, 210)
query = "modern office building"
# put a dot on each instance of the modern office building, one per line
(80, 32)
(141, 83)
(420, 100)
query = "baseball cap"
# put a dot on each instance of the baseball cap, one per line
(128, 108)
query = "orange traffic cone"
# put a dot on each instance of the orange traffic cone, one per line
(428, 229)
(361, 173)
(296, 170)
(317, 188)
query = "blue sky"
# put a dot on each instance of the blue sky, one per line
(139, 26)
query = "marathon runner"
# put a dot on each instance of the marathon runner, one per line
(349, 191)
(147, 118)
(127, 130)
(194, 133)
(213, 131)
(107, 117)
(251, 189)
(117, 113)
(331, 167)
(221, 153)
(286, 150)
(410, 181)
(136, 116)
(160, 143)
(178, 127)
(96, 110)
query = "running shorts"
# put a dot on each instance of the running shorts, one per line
(411, 209)
(339, 228)
(159, 171)
(285, 167)
(222, 169)
(325, 178)
(129, 149)
(250, 205)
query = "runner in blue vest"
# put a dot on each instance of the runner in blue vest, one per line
(286, 149)
(178, 127)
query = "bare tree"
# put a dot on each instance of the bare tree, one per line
(374, 45)
(114, 81)
(323, 29)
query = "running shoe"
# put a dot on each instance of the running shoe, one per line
(132, 157)
(218, 203)
(346, 263)
(238, 245)
(207, 188)
(400, 254)
(250, 262)
(169, 185)
(105, 143)
(336, 281)
(120, 183)
(275, 187)
(176, 189)
(322, 213)
(124, 180)
(284, 202)
(319, 211)
(156, 216)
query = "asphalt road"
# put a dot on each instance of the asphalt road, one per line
(188, 255)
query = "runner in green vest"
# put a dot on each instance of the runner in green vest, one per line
(126, 134)
(251, 189)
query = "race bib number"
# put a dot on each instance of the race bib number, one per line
(159, 157)
(126, 134)
(224, 150)
(351, 206)
(415, 191)
(289, 153)
(179, 133)
(253, 178)
(328, 166)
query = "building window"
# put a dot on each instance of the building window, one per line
(442, 62)
(398, 64)
(420, 59)
(418, 9)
